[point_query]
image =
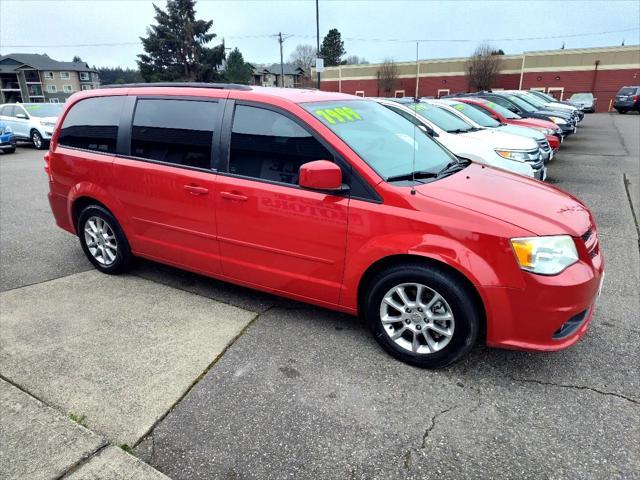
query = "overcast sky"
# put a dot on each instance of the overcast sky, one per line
(49, 26)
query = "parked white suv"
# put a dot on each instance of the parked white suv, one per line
(510, 152)
(483, 121)
(31, 121)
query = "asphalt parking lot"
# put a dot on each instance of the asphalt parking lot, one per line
(207, 380)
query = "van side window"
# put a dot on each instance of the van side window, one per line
(92, 124)
(174, 131)
(270, 146)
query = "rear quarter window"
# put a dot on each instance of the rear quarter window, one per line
(92, 124)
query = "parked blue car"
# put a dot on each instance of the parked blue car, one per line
(7, 138)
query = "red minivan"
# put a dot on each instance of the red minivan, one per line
(329, 199)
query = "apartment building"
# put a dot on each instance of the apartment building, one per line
(30, 77)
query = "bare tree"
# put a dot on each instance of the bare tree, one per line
(483, 67)
(387, 76)
(355, 60)
(304, 57)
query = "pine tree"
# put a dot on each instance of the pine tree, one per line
(175, 48)
(332, 48)
(236, 70)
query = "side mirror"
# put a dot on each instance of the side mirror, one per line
(321, 175)
(22, 116)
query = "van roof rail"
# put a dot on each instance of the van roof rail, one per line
(220, 86)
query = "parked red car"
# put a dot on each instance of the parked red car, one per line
(503, 115)
(329, 199)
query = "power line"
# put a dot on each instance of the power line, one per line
(354, 39)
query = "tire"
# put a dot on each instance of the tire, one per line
(37, 140)
(622, 111)
(459, 302)
(9, 150)
(101, 253)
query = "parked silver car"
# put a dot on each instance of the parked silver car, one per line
(31, 121)
(586, 101)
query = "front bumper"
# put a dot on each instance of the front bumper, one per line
(7, 141)
(551, 312)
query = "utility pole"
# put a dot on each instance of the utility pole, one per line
(318, 39)
(281, 40)
(281, 62)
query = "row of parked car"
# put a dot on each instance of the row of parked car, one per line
(378, 207)
(519, 131)
(32, 122)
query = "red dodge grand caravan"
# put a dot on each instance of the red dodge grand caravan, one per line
(329, 199)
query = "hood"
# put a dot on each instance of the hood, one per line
(559, 106)
(503, 140)
(564, 114)
(534, 122)
(522, 131)
(531, 205)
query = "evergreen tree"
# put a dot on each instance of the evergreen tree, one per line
(332, 48)
(76, 59)
(236, 70)
(175, 48)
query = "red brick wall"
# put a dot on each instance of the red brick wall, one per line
(607, 83)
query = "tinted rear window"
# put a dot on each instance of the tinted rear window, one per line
(92, 124)
(627, 91)
(174, 131)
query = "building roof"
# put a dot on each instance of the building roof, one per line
(274, 69)
(15, 61)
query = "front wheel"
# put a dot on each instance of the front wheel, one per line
(9, 150)
(37, 140)
(103, 241)
(423, 316)
(622, 111)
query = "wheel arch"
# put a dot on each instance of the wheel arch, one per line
(428, 262)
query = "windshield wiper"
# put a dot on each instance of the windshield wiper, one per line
(412, 175)
(453, 167)
(459, 130)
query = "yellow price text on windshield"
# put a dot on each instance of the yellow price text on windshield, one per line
(417, 108)
(459, 107)
(338, 114)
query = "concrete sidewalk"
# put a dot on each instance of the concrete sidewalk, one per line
(39, 443)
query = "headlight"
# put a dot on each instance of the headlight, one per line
(7, 129)
(557, 120)
(48, 124)
(513, 155)
(545, 255)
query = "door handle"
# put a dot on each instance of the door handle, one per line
(196, 190)
(234, 196)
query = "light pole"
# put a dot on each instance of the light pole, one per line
(317, 40)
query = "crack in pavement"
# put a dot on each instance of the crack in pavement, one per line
(425, 436)
(576, 387)
(82, 461)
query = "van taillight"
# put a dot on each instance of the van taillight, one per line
(635, 98)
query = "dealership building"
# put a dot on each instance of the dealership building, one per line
(560, 73)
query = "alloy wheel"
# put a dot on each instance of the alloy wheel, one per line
(101, 240)
(417, 318)
(37, 140)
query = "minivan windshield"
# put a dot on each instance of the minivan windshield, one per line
(385, 140)
(43, 109)
(477, 116)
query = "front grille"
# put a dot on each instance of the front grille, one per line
(544, 145)
(590, 242)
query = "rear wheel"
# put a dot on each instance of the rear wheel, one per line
(421, 315)
(103, 241)
(9, 150)
(622, 111)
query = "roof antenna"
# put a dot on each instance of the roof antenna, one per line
(416, 100)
